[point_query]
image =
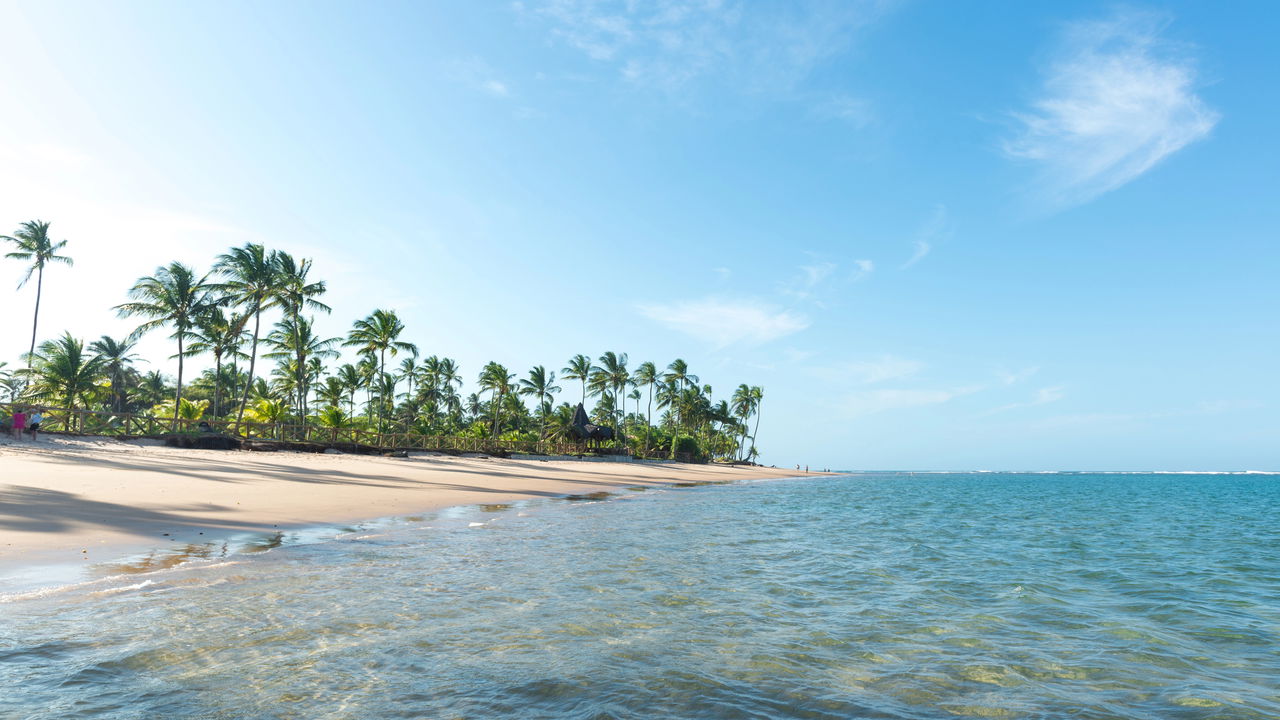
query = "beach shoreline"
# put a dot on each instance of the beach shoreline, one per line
(84, 501)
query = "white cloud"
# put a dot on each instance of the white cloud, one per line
(1043, 396)
(869, 402)
(671, 43)
(855, 111)
(922, 248)
(725, 322)
(1014, 377)
(938, 226)
(1117, 101)
(868, 372)
(477, 73)
(865, 268)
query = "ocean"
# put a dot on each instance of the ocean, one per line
(873, 595)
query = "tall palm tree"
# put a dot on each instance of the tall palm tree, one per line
(33, 243)
(379, 333)
(173, 296)
(63, 372)
(296, 295)
(647, 376)
(743, 405)
(295, 338)
(678, 373)
(221, 335)
(349, 376)
(251, 281)
(579, 368)
(612, 373)
(757, 399)
(117, 356)
(541, 385)
(495, 378)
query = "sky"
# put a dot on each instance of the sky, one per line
(941, 236)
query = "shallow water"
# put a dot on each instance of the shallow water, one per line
(873, 596)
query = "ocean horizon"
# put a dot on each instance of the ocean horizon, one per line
(886, 595)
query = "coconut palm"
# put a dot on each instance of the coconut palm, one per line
(541, 385)
(646, 375)
(294, 338)
(579, 368)
(251, 282)
(32, 242)
(612, 373)
(349, 376)
(757, 399)
(678, 373)
(173, 296)
(495, 378)
(296, 295)
(117, 357)
(380, 333)
(216, 332)
(61, 371)
(743, 404)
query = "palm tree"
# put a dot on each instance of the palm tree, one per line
(63, 372)
(33, 243)
(743, 405)
(173, 296)
(349, 376)
(116, 357)
(294, 338)
(379, 333)
(757, 398)
(647, 376)
(296, 294)
(541, 385)
(612, 373)
(678, 373)
(251, 281)
(579, 368)
(216, 333)
(495, 378)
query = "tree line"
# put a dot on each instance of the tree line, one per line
(259, 304)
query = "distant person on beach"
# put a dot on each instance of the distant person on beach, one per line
(34, 421)
(19, 422)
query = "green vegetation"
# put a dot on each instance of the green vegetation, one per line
(220, 316)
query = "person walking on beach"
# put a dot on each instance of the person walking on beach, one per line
(19, 422)
(34, 422)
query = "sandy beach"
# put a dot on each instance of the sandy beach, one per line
(91, 500)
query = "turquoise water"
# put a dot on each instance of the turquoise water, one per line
(871, 596)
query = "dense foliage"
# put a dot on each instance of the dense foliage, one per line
(220, 315)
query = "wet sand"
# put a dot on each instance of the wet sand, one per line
(89, 500)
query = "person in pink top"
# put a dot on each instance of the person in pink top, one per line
(19, 423)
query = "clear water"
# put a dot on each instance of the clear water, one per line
(882, 596)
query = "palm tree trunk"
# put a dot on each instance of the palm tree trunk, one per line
(648, 421)
(177, 396)
(217, 384)
(757, 427)
(253, 359)
(36, 318)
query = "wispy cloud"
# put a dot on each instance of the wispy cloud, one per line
(869, 372)
(671, 43)
(855, 111)
(1043, 396)
(869, 402)
(864, 268)
(1116, 101)
(1013, 377)
(935, 228)
(724, 321)
(477, 74)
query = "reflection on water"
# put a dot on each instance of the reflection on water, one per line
(1083, 596)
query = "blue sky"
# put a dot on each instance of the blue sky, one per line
(997, 235)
